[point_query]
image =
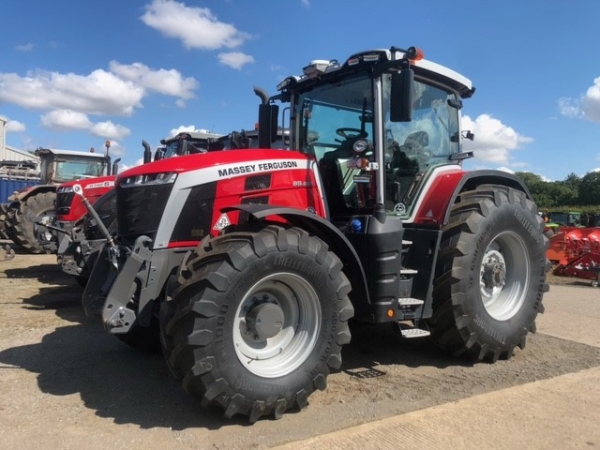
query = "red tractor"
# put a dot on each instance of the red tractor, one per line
(29, 211)
(249, 264)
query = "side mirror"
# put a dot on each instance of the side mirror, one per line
(402, 92)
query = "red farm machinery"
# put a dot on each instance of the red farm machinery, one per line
(246, 266)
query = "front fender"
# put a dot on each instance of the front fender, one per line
(23, 194)
(322, 228)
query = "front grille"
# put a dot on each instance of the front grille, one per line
(140, 209)
(106, 207)
(194, 221)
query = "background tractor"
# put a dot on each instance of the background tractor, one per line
(248, 265)
(30, 209)
(79, 236)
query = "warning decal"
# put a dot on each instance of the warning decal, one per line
(222, 222)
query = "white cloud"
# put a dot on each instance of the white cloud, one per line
(182, 128)
(109, 130)
(167, 82)
(100, 92)
(493, 141)
(236, 60)
(118, 92)
(196, 27)
(13, 126)
(64, 120)
(69, 99)
(585, 107)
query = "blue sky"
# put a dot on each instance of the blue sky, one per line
(76, 73)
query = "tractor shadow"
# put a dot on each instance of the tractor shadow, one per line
(133, 387)
(118, 382)
(381, 345)
(58, 291)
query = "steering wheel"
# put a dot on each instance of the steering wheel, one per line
(356, 133)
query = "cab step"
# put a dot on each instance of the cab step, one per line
(409, 301)
(412, 333)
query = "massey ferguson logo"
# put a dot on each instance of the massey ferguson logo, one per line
(260, 167)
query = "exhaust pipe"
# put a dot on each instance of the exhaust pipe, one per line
(147, 152)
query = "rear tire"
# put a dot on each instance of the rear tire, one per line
(491, 274)
(33, 237)
(258, 321)
(3, 213)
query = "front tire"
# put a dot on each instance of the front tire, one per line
(258, 321)
(491, 274)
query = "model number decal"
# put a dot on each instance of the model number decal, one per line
(101, 184)
(261, 167)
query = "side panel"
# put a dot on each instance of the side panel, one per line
(200, 195)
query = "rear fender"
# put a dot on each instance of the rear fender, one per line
(438, 201)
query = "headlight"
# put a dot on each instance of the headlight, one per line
(64, 190)
(361, 146)
(148, 180)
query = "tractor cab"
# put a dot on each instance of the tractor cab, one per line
(186, 143)
(59, 166)
(377, 125)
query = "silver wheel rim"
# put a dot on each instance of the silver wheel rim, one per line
(504, 276)
(276, 325)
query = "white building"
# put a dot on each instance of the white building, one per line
(10, 153)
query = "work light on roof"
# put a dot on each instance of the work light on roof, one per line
(318, 67)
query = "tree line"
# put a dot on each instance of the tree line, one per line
(573, 194)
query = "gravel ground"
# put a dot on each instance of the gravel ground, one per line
(68, 384)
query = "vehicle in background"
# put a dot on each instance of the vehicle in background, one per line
(29, 210)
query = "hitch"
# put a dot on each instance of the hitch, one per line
(113, 250)
(79, 191)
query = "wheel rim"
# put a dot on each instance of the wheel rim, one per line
(504, 276)
(276, 325)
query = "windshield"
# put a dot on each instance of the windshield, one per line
(329, 115)
(171, 149)
(67, 170)
(330, 119)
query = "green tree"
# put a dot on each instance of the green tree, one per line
(589, 189)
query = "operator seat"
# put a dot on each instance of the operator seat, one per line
(331, 174)
(416, 142)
